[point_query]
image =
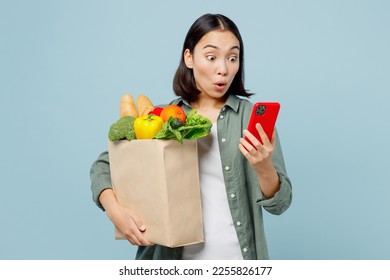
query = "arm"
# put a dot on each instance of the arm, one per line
(260, 158)
(280, 188)
(128, 223)
(100, 177)
(124, 219)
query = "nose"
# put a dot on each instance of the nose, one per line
(222, 68)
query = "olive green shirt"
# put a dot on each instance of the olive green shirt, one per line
(245, 198)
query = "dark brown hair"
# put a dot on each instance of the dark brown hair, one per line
(184, 83)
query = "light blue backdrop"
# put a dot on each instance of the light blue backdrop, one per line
(65, 64)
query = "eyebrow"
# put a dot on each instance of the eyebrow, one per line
(215, 47)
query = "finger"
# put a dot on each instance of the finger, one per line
(139, 232)
(140, 240)
(248, 151)
(254, 142)
(244, 146)
(245, 152)
(133, 229)
(137, 237)
(263, 135)
(134, 240)
(138, 222)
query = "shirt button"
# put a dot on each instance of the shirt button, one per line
(239, 223)
(221, 116)
(223, 140)
(232, 195)
(227, 168)
(245, 250)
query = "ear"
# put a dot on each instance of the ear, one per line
(188, 58)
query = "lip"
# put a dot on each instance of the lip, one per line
(220, 85)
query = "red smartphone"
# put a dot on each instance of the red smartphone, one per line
(266, 114)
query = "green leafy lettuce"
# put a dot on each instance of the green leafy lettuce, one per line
(196, 126)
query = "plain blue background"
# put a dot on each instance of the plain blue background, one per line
(65, 64)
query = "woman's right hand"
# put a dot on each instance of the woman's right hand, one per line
(126, 221)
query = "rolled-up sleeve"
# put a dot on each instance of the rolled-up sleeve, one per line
(100, 177)
(281, 201)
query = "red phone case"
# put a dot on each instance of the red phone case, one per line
(266, 114)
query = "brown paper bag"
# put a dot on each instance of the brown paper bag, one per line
(159, 180)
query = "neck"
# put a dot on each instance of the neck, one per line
(209, 107)
(209, 103)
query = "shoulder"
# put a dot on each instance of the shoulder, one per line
(245, 104)
(234, 101)
(242, 106)
(182, 103)
(177, 101)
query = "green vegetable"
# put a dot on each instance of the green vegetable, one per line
(196, 126)
(122, 129)
(176, 123)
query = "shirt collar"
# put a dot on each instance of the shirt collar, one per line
(232, 101)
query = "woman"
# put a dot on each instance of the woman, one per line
(237, 180)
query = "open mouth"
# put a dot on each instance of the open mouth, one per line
(220, 86)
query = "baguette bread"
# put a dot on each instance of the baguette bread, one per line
(144, 105)
(127, 106)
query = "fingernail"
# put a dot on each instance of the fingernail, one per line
(142, 228)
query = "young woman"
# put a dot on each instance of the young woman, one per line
(237, 179)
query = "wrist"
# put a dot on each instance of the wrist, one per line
(108, 200)
(265, 170)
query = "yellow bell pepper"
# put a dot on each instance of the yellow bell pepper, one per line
(146, 127)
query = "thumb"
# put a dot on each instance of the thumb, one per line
(138, 222)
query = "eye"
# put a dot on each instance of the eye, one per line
(233, 58)
(210, 57)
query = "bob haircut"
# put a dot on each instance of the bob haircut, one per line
(183, 82)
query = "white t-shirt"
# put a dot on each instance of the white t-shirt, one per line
(221, 240)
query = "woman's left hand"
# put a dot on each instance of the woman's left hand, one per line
(260, 158)
(259, 155)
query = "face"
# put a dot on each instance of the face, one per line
(215, 62)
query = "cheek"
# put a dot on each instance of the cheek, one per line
(233, 71)
(235, 68)
(201, 70)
